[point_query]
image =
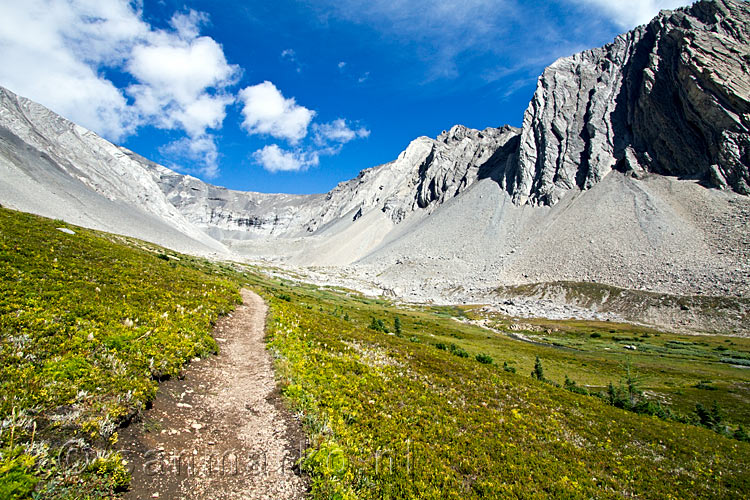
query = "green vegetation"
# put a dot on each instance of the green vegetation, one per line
(538, 372)
(670, 367)
(92, 321)
(87, 326)
(378, 325)
(458, 351)
(397, 325)
(485, 359)
(390, 418)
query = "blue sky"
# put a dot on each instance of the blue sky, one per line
(292, 96)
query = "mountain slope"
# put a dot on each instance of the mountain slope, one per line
(55, 168)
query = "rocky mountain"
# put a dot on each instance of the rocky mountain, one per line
(671, 97)
(427, 174)
(58, 169)
(630, 169)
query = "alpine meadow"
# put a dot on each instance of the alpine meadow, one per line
(556, 307)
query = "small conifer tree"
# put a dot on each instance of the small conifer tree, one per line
(538, 372)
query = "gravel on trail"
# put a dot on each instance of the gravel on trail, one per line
(221, 431)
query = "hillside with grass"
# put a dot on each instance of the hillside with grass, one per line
(89, 323)
(410, 403)
(397, 401)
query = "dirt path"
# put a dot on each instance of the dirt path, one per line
(221, 432)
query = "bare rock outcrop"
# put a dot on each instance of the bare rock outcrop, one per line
(425, 175)
(671, 97)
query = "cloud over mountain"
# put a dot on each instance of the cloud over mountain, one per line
(267, 111)
(62, 53)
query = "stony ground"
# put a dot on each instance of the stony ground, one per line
(221, 432)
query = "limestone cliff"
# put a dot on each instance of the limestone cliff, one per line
(671, 97)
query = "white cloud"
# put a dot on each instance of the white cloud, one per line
(57, 52)
(175, 75)
(188, 24)
(631, 13)
(267, 111)
(291, 56)
(342, 65)
(329, 138)
(337, 131)
(275, 159)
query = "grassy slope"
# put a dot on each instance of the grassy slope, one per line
(397, 418)
(86, 326)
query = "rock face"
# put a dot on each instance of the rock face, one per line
(671, 97)
(427, 174)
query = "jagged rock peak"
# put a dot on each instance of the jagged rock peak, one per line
(457, 133)
(670, 97)
(426, 174)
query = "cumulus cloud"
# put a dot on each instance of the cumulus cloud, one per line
(337, 131)
(51, 52)
(631, 13)
(327, 139)
(57, 52)
(275, 159)
(267, 111)
(174, 75)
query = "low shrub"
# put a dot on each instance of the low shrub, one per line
(485, 359)
(458, 351)
(378, 325)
